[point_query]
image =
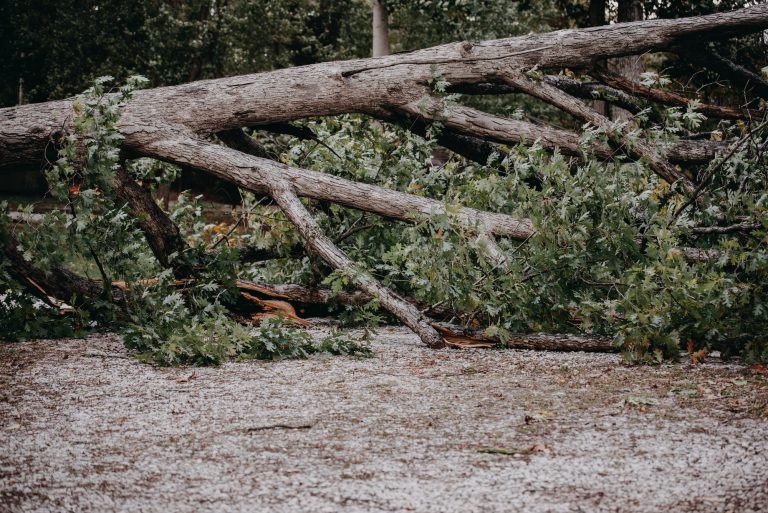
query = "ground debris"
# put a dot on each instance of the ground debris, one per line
(91, 435)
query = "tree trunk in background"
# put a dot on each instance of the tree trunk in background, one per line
(629, 67)
(380, 29)
(596, 19)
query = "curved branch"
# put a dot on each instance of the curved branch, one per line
(669, 98)
(584, 90)
(283, 194)
(460, 121)
(727, 69)
(566, 102)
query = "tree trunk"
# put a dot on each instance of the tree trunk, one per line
(380, 29)
(629, 67)
(596, 19)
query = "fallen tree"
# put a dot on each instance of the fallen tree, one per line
(201, 125)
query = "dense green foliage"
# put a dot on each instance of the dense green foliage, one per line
(605, 257)
(95, 234)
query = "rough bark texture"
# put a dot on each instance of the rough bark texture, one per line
(210, 106)
(631, 66)
(380, 29)
(464, 337)
(258, 175)
(161, 233)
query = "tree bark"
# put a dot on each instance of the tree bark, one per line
(631, 66)
(207, 107)
(468, 337)
(162, 234)
(380, 29)
(286, 198)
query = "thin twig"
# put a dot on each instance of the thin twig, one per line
(278, 426)
(738, 227)
(699, 188)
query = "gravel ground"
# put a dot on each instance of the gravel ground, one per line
(86, 428)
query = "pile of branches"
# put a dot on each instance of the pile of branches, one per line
(209, 126)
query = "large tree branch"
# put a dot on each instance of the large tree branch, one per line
(669, 98)
(454, 335)
(566, 102)
(162, 234)
(212, 106)
(482, 126)
(257, 175)
(283, 194)
(584, 90)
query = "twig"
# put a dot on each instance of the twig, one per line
(738, 227)
(353, 229)
(227, 235)
(278, 426)
(699, 188)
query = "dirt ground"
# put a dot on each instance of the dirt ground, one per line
(86, 428)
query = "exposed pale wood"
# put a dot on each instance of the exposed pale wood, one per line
(273, 308)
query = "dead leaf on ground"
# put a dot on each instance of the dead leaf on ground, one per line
(538, 416)
(185, 379)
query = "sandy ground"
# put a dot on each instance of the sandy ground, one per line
(84, 427)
